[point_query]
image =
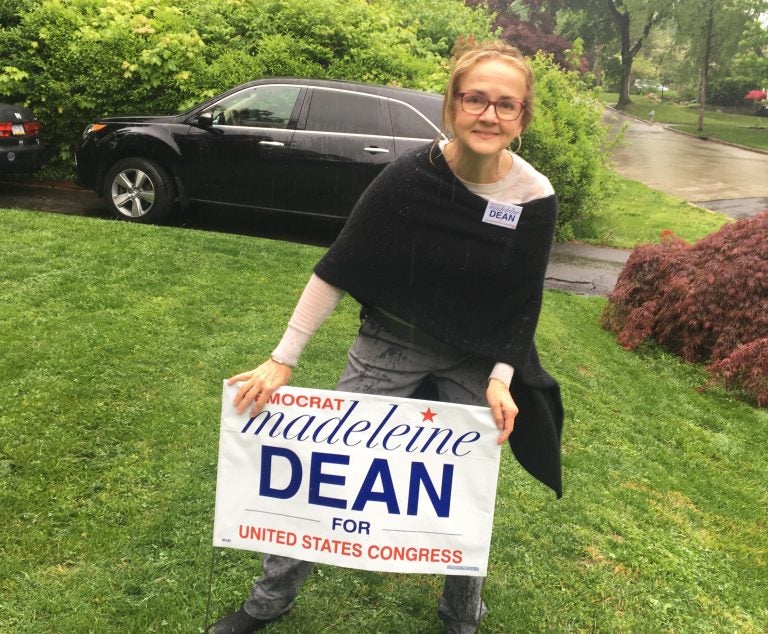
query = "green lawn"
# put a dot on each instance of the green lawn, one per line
(631, 213)
(746, 130)
(115, 339)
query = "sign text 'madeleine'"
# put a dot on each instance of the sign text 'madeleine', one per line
(346, 431)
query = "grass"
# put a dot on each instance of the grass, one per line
(115, 339)
(632, 213)
(746, 130)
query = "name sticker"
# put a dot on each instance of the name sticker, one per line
(502, 214)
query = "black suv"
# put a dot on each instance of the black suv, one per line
(282, 144)
(20, 147)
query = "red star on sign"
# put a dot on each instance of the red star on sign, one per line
(429, 415)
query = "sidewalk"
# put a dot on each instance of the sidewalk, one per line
(583, 268)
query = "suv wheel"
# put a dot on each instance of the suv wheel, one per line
(139, 190)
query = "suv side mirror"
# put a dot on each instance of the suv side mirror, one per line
(205, 120)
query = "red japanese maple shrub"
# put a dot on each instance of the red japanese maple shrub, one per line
(706, 302)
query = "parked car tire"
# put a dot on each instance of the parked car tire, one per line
(139, 190)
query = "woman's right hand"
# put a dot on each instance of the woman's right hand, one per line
(258, 385)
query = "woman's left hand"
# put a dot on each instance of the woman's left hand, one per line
(503, 408)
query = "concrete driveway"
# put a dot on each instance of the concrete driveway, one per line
(717, 176)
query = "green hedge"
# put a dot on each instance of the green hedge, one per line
(566, 142)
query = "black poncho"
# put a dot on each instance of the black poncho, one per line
(416, 246)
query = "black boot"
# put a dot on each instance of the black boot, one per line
(239, 622)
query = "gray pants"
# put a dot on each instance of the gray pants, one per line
(382, 362)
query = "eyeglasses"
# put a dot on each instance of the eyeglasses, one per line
(506, 109)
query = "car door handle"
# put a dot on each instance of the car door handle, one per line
(272, 143)
(371, 149)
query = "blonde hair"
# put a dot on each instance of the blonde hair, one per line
(484, 52)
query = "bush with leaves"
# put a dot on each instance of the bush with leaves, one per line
(728, 91)
(706, 302)
(72, 60)
(565, 142)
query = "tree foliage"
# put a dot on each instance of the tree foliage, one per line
(565, 143)
(615, 31)
(711, 31)
(750, 63)
(634, 20)
(666, 41)
(704, 302)
(738, 36)
(529, 25)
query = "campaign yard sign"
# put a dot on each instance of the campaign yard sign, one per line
(362, 481)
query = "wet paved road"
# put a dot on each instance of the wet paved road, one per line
(728, 179)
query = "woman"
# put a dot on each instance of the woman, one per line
(446, 252)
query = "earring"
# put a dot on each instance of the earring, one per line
(519, 145)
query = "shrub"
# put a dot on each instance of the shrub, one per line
(728, 91)
(70, 61)
(565, 142)
(706, 302)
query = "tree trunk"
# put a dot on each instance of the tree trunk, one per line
(704, 77)
(626, 78)
(622, 20)
(628, 50)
